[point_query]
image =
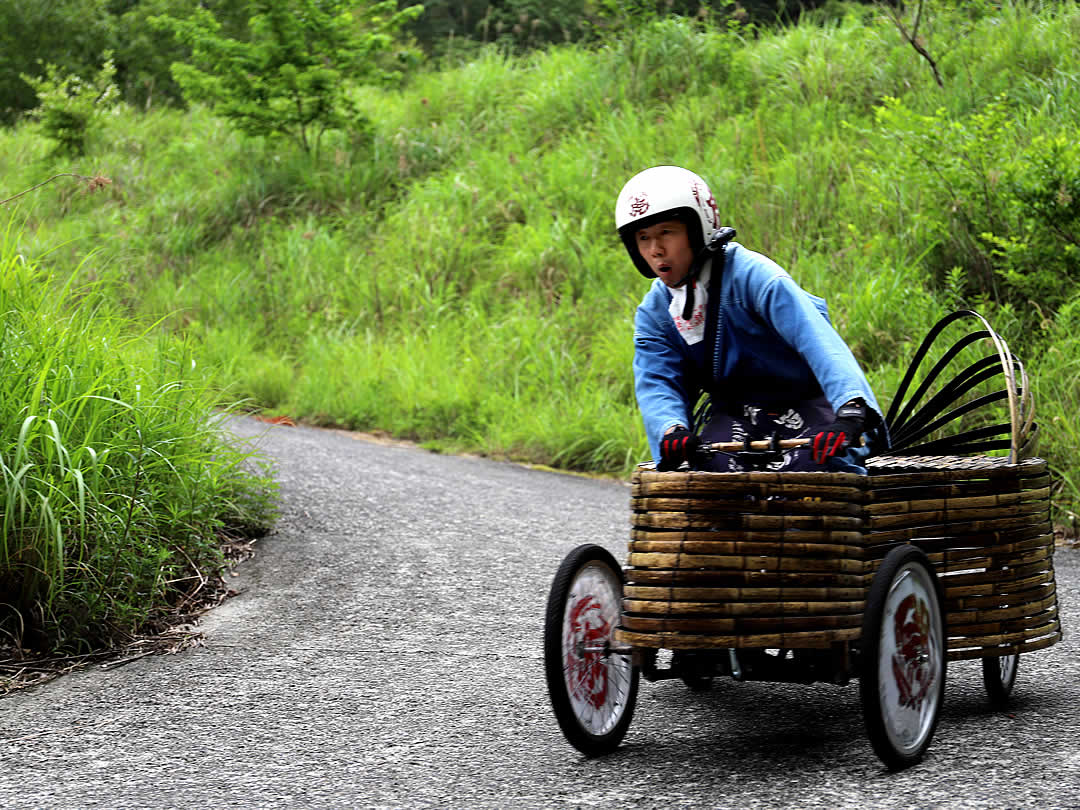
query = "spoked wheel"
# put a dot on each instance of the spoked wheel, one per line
(999, 675)
(902, 679)
(593, 686)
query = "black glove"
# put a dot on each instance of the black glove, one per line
(676, 447)
(843, 432)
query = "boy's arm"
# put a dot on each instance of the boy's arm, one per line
(798, 321)
(659, 380)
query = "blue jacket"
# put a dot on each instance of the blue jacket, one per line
(774, 343)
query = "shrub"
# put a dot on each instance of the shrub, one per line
(115, 479)
(998, 205)
(69, 107)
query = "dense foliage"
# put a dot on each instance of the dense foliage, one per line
(456, 278)
(73, 35)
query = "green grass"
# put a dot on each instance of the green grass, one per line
(117, 479)
(458, 281)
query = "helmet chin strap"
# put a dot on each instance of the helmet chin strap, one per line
(717, 242)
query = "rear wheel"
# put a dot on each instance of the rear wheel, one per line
(593, 687)
(902, 678)
(999, 675)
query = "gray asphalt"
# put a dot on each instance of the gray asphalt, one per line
(385, 652)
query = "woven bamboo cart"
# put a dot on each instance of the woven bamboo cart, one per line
(944, 551)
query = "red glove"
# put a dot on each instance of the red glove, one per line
(843, 432)
(676, 447)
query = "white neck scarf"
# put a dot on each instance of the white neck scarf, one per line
(692, 330)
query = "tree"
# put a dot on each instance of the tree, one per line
(65, 33)
(144, 54)
(70, 105)
(292, 75)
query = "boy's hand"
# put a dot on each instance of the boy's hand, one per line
(676, 447)
(843, 432)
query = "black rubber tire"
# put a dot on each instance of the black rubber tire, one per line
(887, 714)
(999, 677)
(588, 579)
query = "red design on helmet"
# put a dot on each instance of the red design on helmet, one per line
(639, 205)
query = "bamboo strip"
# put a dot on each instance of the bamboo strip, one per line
(984, 589)
(879, 494)
(965, 617)
(1033, 595)
(728, 489)
(937, 548)
(772, 506)
(1018, 513)
(721, 479)
(677, 520)
(990, 563)
(1029, 646)
(844, 538)
(748, 549)
(956, 504)
(724, 609)
(739, 626)
(752, 579)
(999, 639)
(788, 641)
(650, 624)
(747, 580)
(899, 470)
(961, 532)
(975, 631)
(683, 594)
(1001, 578)
(835, 593)
(745, 563)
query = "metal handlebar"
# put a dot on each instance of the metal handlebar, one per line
(764, 444)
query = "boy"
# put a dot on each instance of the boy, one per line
(727, 321)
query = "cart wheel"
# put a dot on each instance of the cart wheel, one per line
(592, 689)
(902, 679)
(999, 675)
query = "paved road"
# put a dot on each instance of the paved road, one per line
(385, 652)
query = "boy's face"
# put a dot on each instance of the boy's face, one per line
(665, 246)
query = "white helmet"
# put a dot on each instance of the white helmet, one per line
(661, 193)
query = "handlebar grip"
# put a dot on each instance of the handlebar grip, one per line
(764, 444)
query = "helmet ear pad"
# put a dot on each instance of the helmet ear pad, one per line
(687, 216)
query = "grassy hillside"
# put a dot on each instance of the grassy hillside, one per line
(457, 280)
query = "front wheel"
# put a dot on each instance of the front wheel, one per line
(902, 678)
(592, 686)
(999, 675)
